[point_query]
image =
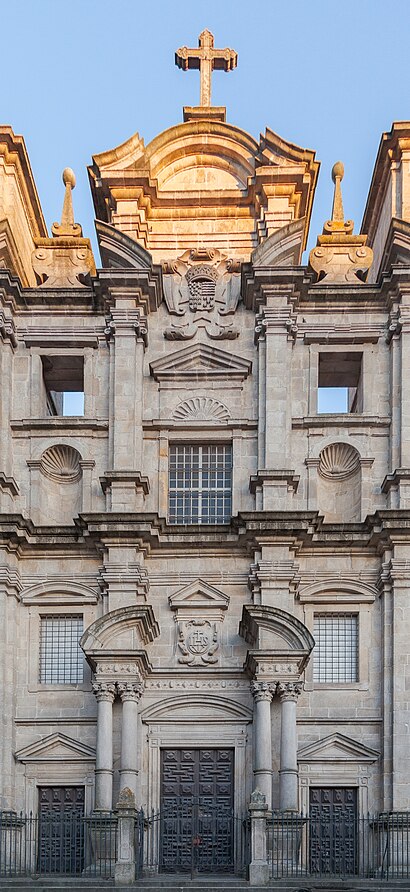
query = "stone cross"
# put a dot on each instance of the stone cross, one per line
(207, 59)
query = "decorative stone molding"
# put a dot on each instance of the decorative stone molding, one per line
(201, 408)
(262, 690)
(338, 461)
(103, 690)
(199, 611)
(198, 642)
(200, 363)
(202, 286)
(61, 463)
(130, 691)
(289, 690)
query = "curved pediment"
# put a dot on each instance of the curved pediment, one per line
(283, 248)
(195, 706)
(270, 628)
(126, 628)
(167, 195)
(118, 250)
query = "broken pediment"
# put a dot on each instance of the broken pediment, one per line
(56, 748)
(118, 250)
(272, 628)
(397, 248)
(283, 248)
(115, 630)
(198, 363)
(337, 748)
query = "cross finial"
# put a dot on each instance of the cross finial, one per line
(207, 59)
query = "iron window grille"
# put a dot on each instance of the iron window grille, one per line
(61, 658)
(335, 657)
(200, 484)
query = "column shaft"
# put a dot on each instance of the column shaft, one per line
(130, 695)
(263, 740)
(103, 763)
(288, 772)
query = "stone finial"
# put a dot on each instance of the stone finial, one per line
(340, 257)
(66, 259)
(67, 226)
(126, 798)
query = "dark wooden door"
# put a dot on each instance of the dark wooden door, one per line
(197, 810)
(333, 830)
(61, 830)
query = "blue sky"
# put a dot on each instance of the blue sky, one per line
(81, 77)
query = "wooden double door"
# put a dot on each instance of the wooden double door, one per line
(333, 830)
(197, 820)
(61, 830)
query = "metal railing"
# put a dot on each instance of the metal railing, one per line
(195, 839)
(340, 845)
(66, 844)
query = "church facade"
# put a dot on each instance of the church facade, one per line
(205, 568)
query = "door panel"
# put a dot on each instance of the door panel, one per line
(197, 810)
(333, 830)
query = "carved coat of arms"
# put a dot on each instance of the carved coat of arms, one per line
(197, 642)
(202, 287)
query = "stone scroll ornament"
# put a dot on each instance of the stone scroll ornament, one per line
(202, 287)
(197, 642)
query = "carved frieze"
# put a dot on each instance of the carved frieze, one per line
(202, 286)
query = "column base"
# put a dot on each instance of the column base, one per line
(285, 843)
(258, 873)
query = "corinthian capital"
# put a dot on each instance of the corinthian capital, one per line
(104, 690)
(262, 690)
(289, 690)
(129, 690)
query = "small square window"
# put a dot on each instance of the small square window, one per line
(64, 383)
(200, 484)
(61, 658)
(340, 383)
(335, 656)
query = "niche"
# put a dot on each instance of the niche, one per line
(339, 483)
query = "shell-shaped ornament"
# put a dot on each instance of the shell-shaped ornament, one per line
(338, 461)
(201, 408)
(61, 463)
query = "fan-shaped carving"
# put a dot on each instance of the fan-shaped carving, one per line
(201, 408)
(338, 461)
(61, 463)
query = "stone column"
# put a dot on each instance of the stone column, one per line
(104, 693)
(262, 695)
(288, 772)
(130, 694)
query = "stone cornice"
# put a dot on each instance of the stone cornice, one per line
(246, 532)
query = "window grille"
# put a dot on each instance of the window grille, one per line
(335, 657)
(61, 658)
(200, 484)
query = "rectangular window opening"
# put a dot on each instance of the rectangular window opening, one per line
(64, 383)
(335, 656)
(340, 383)
(200, 484)
(61, 658)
